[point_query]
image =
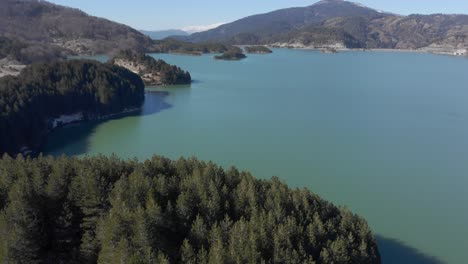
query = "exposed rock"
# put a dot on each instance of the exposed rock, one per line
(151, 71)
(10, 67)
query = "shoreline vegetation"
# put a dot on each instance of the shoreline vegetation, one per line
(340, 48)
(257, 50)
(45, 92)
(13, 68)
(108, 210)
(175, 46)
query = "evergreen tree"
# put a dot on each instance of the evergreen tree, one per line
(106, 210)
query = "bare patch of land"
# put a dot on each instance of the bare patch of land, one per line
(9, 67)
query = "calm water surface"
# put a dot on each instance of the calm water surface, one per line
(385, 134)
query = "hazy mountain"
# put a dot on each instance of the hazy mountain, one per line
(200, 28)
(69, 28)
(284, 20)
(162, 34)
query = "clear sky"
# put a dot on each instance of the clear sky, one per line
(175, 14)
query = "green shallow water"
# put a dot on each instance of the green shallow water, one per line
(385, 134)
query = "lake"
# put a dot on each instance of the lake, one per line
(383, 133)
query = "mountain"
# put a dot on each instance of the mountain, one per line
(343, 24)
(71, 29)
(162, 34)
(436, 33)
(284, 20)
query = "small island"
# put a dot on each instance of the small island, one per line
(258, 50)
(151, 71)
(233, 54)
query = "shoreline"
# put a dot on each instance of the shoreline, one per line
(55, 123)
(340, 48)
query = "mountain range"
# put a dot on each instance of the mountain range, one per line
(162, 34)
(344, 24)
(328, 23)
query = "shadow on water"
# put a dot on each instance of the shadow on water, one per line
(76, 136)
(393, 251)
(196, 81)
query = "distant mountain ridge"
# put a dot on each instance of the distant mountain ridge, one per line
(162, 34)
(344, 24)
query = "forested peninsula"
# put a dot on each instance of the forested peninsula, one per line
(176, 46)
(152, 71)
(108, 210)
(44, 95)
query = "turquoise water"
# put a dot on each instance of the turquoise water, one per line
(383, 133)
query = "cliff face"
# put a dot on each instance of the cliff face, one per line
(148, 76)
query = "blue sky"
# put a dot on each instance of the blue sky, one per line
(164, 14)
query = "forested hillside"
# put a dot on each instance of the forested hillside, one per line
(42, 92)
(71, 29)
(40, 22)
(13, 49)
(107, 210)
